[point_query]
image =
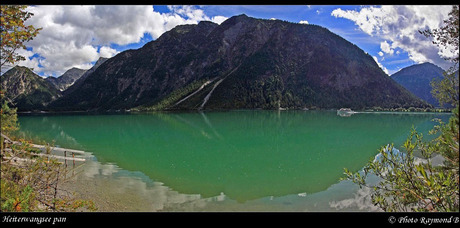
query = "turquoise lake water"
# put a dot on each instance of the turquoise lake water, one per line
(233, 160)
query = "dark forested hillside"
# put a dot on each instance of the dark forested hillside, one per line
(417, 78)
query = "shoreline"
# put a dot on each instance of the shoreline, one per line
(357, 111)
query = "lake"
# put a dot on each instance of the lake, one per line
(225, 161)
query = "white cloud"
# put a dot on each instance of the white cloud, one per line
(189, 12)
(368, 19)
(386, 48)
(107, 52)
(58, 57)
(29, 62)
(72, 34)
(194, 15)
(399, 25)
(380, 53)
(303, 22)
(218, 19)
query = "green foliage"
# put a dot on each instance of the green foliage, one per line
(33, 183)
(447, 144)
(28, 182)
(409, 183)
(14, 33)
(448, 35)
(17, 199)
(9, 119)
(173, 97)
(446, 90)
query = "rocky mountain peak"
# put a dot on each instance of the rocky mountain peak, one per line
(67, 79)
(27, 90)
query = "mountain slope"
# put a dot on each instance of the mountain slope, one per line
(83, 77)
(27, 90)
(417, 78)
(248, 63)
(67, 79)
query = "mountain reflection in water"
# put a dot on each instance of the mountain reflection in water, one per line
(239, 156)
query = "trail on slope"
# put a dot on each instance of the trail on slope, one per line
(209, 94)
(198, 90)
(215, 85)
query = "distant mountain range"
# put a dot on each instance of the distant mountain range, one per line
(243, 63)
(417, 78)
(28, 91)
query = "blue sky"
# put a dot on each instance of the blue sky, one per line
(76, 36)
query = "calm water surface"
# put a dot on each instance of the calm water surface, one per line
(235, 160)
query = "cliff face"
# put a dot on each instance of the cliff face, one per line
(67, 79)
(27, 90)
(242, 63)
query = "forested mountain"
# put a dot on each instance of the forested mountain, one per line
(417, 78)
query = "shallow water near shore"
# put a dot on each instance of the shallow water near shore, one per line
(224, 161)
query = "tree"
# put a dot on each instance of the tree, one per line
(8, 118)
(33, 183)
(411, 183)
(28, 182)
(447, 89)
(14, 33)
(448, 35)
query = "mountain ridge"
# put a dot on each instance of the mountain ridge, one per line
(243, 63)
(259, 63)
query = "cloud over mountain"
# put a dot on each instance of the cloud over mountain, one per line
(398, 26)
(75, 36)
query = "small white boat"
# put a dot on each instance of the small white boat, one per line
(345, 112)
